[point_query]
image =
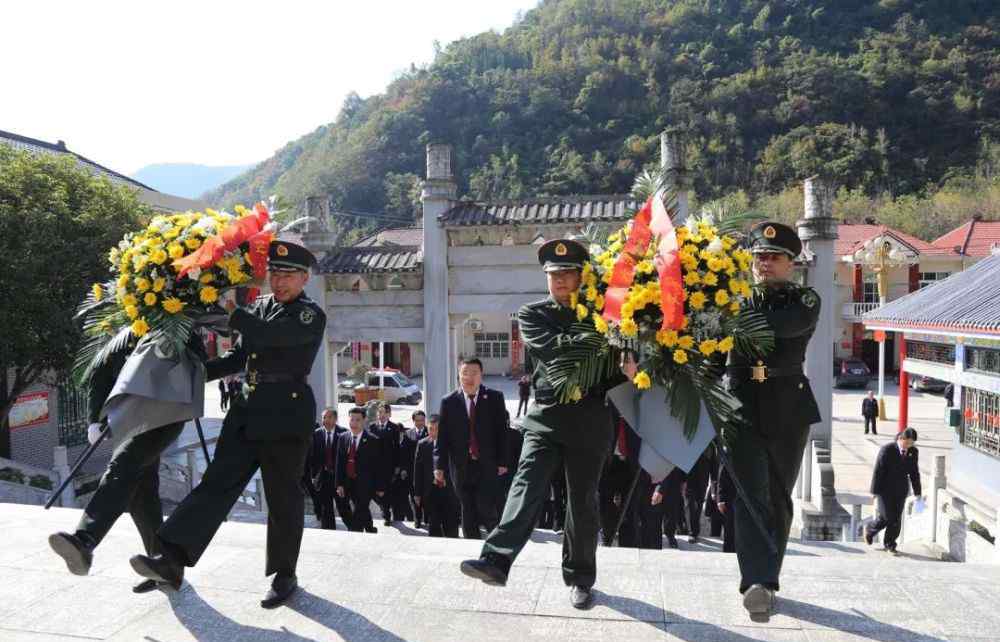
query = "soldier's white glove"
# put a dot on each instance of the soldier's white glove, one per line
(94, 432)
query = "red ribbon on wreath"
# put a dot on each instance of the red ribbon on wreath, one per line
(652, 219)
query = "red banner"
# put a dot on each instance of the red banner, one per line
(247, 228)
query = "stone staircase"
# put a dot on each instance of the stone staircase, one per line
(391, 586)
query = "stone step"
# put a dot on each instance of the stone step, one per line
(394, 587)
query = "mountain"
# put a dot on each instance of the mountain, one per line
(187, 179)
(885, 97)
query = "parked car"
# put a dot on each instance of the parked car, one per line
(398, 387)
(921, 383)
(850, 373)
(345, 389)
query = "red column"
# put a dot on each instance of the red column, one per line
(914, 278)
(904, 386)
(859, 284)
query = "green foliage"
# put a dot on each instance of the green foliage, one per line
(588, 362)
(57, 222)
(41, 481)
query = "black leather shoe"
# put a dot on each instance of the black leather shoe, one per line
(759, 602)
(145, 586)
(488, 568)
(672, 541)
(159, 568)
(869, 537)
(281, 589)
(581, 597)
(387, 523)
(77, 554)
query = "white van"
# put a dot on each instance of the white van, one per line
(398, 387)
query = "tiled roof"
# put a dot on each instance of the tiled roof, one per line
(544, 211)
(851, 237)
(975, 238)
(394, 236)
(35, 145)
(372, 260)
(968, 300)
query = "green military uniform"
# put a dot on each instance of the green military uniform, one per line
(779, 406)
(578, 435)
(268, 428)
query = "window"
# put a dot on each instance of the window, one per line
(982, 359)
(72, 415)
(981, 421)
(936, 352)
(870, 289)
(492, 345)
(929, 278)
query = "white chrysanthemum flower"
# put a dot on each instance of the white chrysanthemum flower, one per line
(692, 224)
(715, 245)
(194, 273)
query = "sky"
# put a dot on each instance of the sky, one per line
(216, 82)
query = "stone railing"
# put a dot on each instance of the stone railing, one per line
(177, 480)
(28, 491)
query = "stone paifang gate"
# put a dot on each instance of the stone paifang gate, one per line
(467, 261)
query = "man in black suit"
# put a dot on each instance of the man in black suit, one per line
(223, 394)
(417, 433)
(322, 464)
(896, 469)
(359, 472)
(472, 444)
(437, 500)
(724, 497)
(403, 448)
(616, 481)
(514, 442)
(387, 432)
(869, 410)
(694, 493)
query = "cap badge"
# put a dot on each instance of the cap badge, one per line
(561, 249)
(770, 232)
(281, 250)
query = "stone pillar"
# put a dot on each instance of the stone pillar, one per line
(60, 460)
(673, 164)
(319, 375)
(439, 191)
(818, 231)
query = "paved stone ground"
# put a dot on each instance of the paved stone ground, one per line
(387, 587)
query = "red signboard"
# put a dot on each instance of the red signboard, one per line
(31, 409)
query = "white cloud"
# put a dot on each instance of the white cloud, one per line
(217, 82)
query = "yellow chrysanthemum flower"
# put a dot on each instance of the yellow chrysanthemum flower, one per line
(725, 345)
(192, 243)
(734, 307)
(98, 292)
(581, 312)
(149, 299)
(685, 342)
(139, 261)
(715, 264)
(159, 283)
(131, 311)
(576, 395)
(142, 284)
(175, 250)
(122, 281)
(629, 328)
(708, 346)
(599, 302)
(173, 305)
(645, 267)
(591, 294)
(208, 294)
(574, 299)
(140, 327)
(721, 298)
(667, 338)
(206, 277)
(642, 380)
(697, 300)
(627, 309)
(692, 278)
(680, 357)
(159, 256)
(129, 299)
(727, 243)
(710, 279)
(735, 287)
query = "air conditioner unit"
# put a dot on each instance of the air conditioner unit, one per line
(475, 324)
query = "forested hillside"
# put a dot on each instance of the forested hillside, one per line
(891, 99)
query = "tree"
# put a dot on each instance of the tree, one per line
(57, 224)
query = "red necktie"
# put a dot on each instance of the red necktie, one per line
(473, 441)
(622, 443)
(352, 470)
(329, 453)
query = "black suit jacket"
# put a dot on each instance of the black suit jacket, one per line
(367, 460)
(869, 407)
(452, 449)
(423, 469)
(317, 451)
(388, 437)
(894, 473)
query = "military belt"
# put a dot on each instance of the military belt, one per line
(254, 378)
(762, 372)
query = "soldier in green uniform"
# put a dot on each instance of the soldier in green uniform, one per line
(268, 428)
(778, 406)
(578, 434)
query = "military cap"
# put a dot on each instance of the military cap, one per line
(771, 236)
(283, 256)
(562, 254)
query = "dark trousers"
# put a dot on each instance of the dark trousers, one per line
(356, 511)
(889, 515)
(650, 516)
(612, 493)
(522, 405)
(694, 495)
(870, 421)
(325, 501)
(728, 528)
(418, 509)
(399, 500)
(578, 436)
(553, 515)
(188, 531)
(132, 483)
(442, 511)
(477, 496)
(673, 503)
(767, 467)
